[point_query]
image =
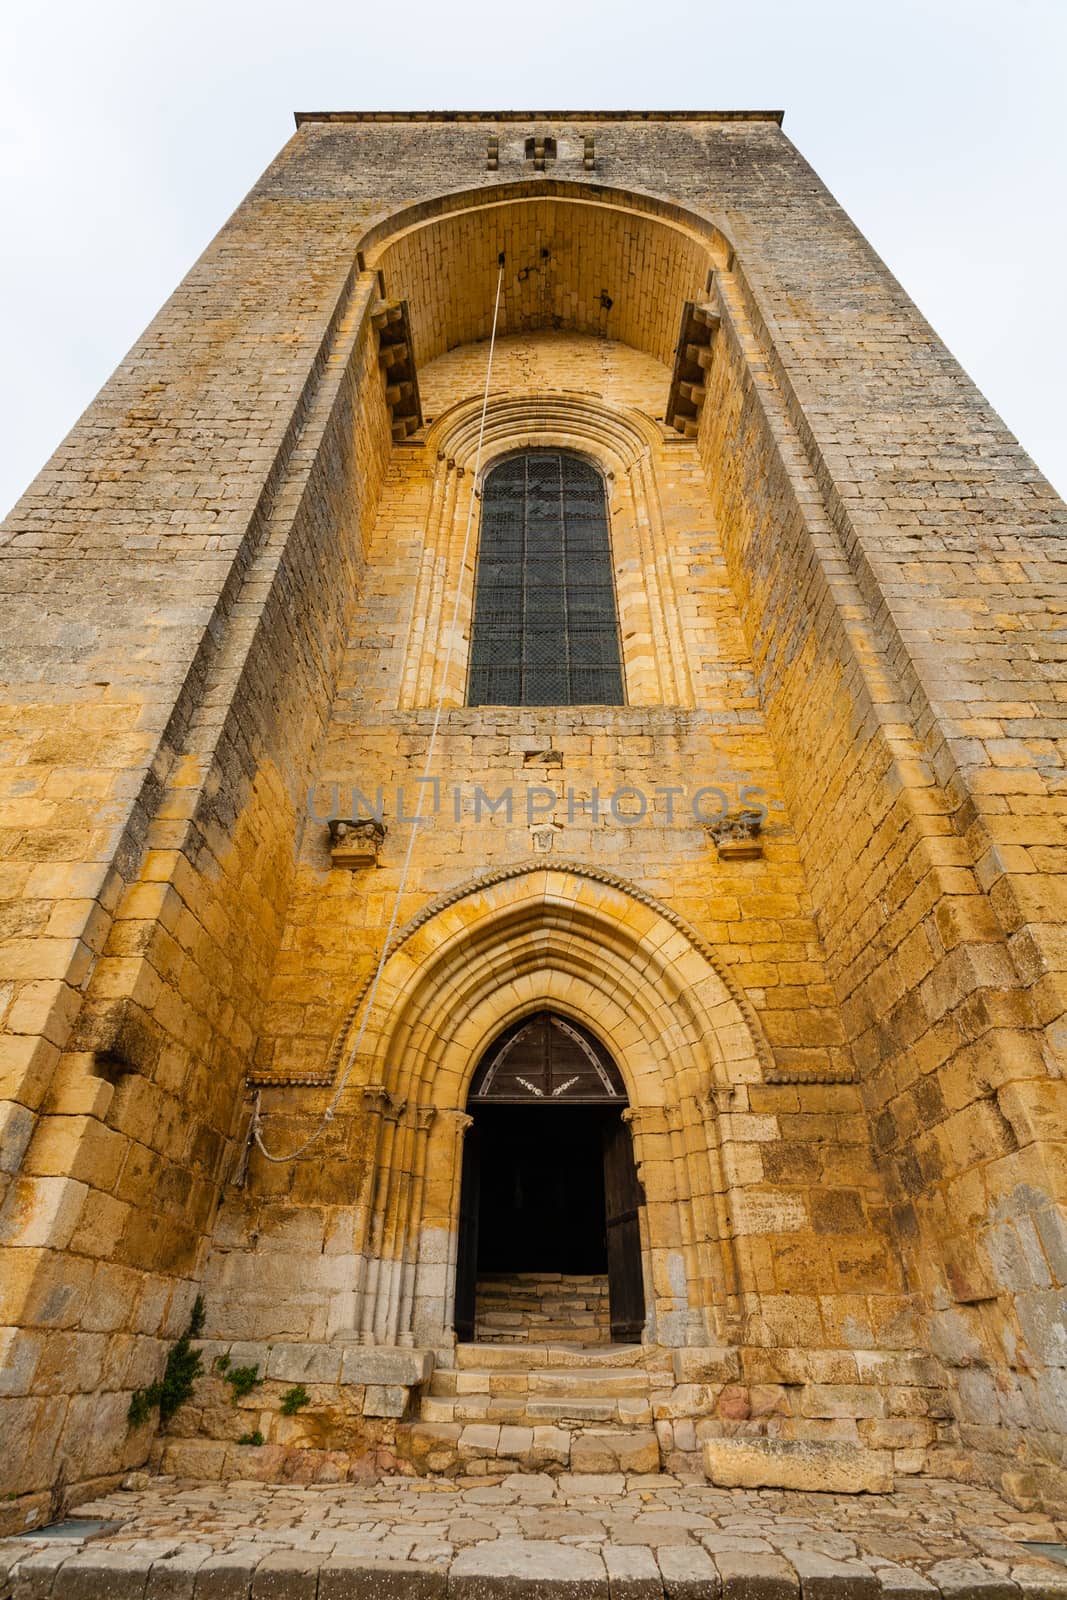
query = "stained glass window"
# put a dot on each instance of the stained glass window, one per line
(545, 630)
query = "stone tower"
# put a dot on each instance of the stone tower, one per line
(712, 1009)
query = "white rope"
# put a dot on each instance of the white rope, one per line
(350, 1059)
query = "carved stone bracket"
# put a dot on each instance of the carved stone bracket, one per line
(355, 842)
(458, 1121)
(396, 358)
(723, 1098)
(692, 358)
(540, 149)
(737, 836)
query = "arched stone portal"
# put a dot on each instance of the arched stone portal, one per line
(589, 947)
(550, 1192)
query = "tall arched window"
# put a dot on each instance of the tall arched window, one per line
(545, 631)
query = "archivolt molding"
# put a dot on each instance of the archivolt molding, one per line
(582, 941)
(514, 421)
(620, 441)
(561, 869)
(390, 225)
(585, 943)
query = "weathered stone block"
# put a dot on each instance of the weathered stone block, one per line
(633, 1573)
(970, 1580)
(755, 1575)
(225, 1577)
(173, 1576)
(286, 1575)
(841, 1400)
(824, 1578)
(304, 1363)
(386, 1364)
(385, 1400)
(528, 1569)
(371, 1579)
(551, 1448)
(615, 1451)
(102, 1575)
(688, 1572)
(695, 1364)
(797, 1464)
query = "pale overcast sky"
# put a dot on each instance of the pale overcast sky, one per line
(129, 130)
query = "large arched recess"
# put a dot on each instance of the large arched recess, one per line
(585, 257)
(589, 946)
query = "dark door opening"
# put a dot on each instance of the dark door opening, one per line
(549, 1183)
(542, 1189)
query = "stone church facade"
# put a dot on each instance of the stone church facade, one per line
(684, 1085)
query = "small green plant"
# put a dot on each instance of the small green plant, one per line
(293, 1399)
(222, 1363)
(184, 1366)
(242, 1380)
(255, 1437)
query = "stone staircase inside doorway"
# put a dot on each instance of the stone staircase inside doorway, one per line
(533, 1307)
(552, 1407)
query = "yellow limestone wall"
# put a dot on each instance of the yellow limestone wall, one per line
(851, 578)
(766, 1222)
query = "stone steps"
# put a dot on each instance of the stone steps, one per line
(513, 1334)
(541, 1408)
(525, 1306)
(484, 1357)
(530, 1412)
(545, 1382)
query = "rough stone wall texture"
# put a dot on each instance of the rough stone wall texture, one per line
(181, 579)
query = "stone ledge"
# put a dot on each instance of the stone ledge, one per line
(807, 1464)
(503, 1569)
(386, 1364)
(301, 117)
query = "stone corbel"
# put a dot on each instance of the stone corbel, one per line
(724, 1098)
(737, 836)
(396, 357)
(692, 359)
(355, 842)
(460, 1121)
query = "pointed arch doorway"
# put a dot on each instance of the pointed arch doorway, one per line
(549, 1185)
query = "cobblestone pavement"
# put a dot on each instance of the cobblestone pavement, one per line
(635, 1538)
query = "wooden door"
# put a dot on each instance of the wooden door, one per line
(622, 1201)
(467, 1253)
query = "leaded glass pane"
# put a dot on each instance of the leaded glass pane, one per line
(545, 630)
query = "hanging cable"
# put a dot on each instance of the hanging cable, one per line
(350, 1058)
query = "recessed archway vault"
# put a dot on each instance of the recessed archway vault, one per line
(585, 944)
(582, 256)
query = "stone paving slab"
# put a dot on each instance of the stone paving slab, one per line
(535, 1537)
